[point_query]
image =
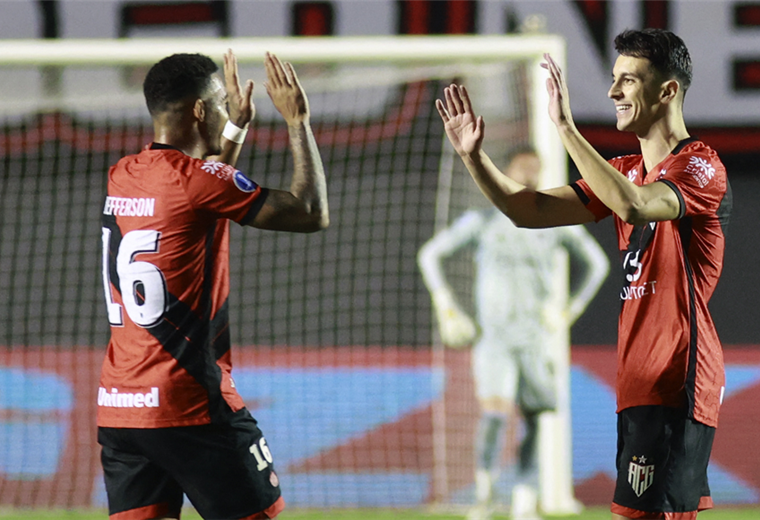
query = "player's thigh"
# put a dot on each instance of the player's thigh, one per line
(133, 482)
(495, 371)
(662, 461)
(227, 471)
(537, 380)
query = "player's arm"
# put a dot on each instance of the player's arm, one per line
(634, 204)
(525, 207)
(444, 244)
(303, 208)
(456, 328)
(240, 108)
(595, 266)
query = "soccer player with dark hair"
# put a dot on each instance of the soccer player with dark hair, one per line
(170, 420)
(671, 205)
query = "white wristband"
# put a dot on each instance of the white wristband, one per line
(234, 133)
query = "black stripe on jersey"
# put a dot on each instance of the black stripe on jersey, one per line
(186, 337)
(255, 207)
(220, 331)
(685, 233)
(192, 341)
(724, 210)
(638, 242)
(581, 194)
(681, 202)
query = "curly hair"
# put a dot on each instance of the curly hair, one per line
(665, 51)
(175, 78)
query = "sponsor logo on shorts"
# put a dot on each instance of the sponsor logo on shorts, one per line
(273, 479)
(640, 474)
(116, 399)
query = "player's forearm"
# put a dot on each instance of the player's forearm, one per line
(613, 189)
(230, 152)
(429, 263)
(308, 183)
(497, 187)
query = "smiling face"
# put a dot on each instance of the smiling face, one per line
(636, 90)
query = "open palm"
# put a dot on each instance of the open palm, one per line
(463, 128)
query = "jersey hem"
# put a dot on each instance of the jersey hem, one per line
(153, 425)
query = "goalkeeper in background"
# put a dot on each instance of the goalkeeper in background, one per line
(511, 357)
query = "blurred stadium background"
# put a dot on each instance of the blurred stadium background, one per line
(335, 353)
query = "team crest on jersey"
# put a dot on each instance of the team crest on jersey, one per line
(243, 183)
(632, 174)
(273, 479)
(640, 474)
(701, 170)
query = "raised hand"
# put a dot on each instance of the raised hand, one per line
(464, 130)
(559, 97)
(285, 90)
(239, 103)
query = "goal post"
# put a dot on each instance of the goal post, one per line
(334, 327)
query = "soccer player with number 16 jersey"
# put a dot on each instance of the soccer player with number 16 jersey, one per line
(170, 420)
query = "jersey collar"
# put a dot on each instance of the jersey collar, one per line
(682, 144)
(162, 146)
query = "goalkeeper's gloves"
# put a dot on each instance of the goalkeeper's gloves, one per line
(456, 328)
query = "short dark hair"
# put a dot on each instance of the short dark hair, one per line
(175, 78)
(665, 51)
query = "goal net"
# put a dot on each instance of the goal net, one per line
(334, 342)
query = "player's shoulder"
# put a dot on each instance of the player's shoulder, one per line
(699, 160)
(624, 161)
(702, 150)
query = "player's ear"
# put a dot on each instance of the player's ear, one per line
(670, 90)
(199, 110)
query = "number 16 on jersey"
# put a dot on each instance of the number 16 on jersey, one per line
(142, 285)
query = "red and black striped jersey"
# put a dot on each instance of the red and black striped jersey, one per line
(166, 279)
(668, 349)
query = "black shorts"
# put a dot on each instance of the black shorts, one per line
(662, 461)
(225, 470)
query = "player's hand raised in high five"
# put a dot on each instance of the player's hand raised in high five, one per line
(559, 97)
(285, 90)
(464, 130)
(239, 103)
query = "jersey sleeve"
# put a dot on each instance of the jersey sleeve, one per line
(222, 191)
(699, 180)
(590, 200)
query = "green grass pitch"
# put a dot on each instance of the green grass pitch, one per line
(594, 513)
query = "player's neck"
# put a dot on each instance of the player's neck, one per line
(180, 134)
(662, 137)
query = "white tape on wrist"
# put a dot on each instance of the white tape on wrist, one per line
(234, 133)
